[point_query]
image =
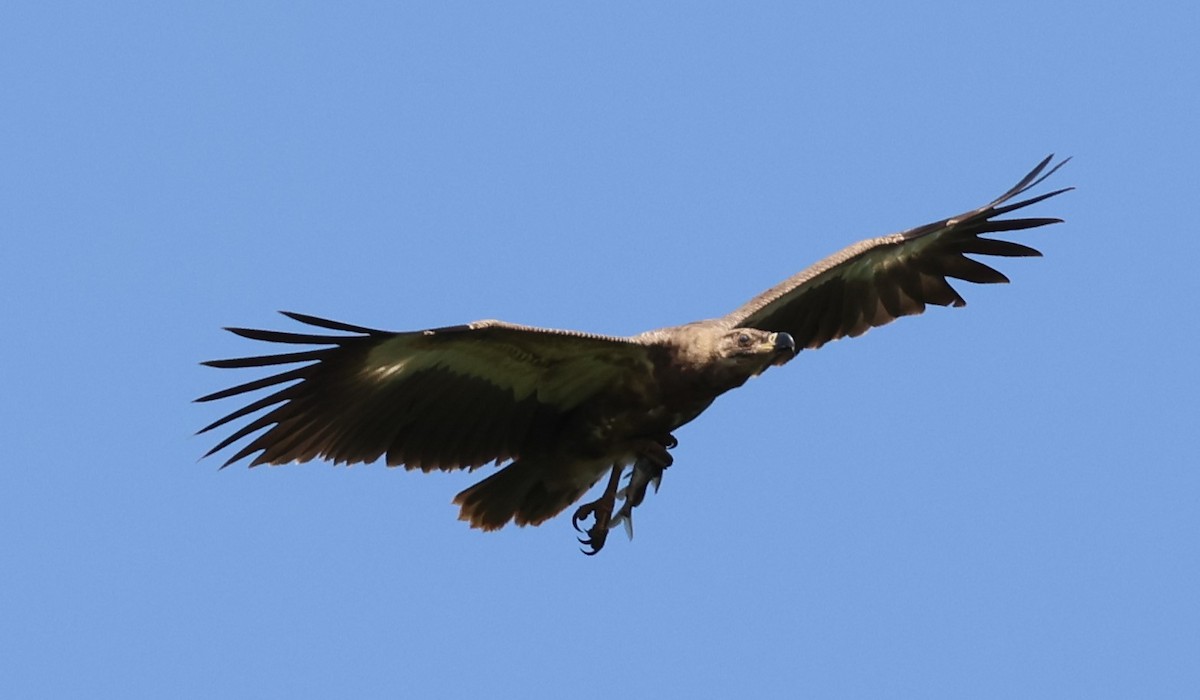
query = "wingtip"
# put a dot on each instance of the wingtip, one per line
(205, 456)
(1037, 177)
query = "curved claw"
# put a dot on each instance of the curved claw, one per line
(597, 534)
(596, 542)
(582, 513)
(601, 510)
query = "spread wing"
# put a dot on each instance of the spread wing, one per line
(446, 398)
(876, 281)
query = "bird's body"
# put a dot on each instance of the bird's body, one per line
(563, 408)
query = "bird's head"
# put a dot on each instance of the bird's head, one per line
(723, 358)
(758, 349)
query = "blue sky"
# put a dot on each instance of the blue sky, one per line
(996, 501)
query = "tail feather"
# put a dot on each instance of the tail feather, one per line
(519, 493)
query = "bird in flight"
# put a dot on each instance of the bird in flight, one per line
(558, 410)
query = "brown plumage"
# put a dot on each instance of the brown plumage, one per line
(564, 408)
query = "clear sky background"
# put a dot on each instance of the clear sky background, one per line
(996, 501)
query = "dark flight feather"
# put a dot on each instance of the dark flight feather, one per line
(906, 270)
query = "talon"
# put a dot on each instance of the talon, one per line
(583, 513)
(601, 510)
(591, 543)
(595, 542)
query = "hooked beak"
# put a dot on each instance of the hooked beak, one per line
(785, 347)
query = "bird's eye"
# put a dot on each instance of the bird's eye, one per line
(744, 340)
